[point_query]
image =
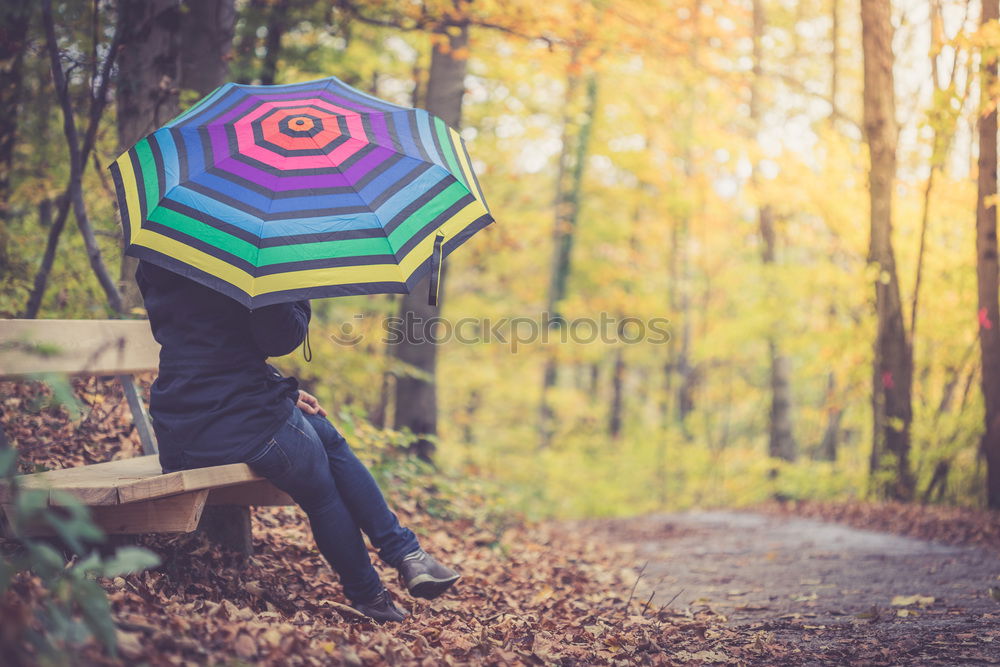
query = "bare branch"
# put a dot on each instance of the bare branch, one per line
(97, 104)
(801, 88)
(75, 189)
(426, 22)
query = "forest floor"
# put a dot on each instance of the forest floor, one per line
(819, 592)
(794, 584)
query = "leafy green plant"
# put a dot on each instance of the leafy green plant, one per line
(70, 607)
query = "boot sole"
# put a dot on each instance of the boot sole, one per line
(427, 587)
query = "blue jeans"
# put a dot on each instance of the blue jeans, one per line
(311, 461)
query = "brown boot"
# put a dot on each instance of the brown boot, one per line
(424, 577)
(381, 608)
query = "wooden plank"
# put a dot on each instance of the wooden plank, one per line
(185, 480)
(132, 480)
(174, 514)
(95, 484)
(83, 491)
(94, 347)
(261, 492)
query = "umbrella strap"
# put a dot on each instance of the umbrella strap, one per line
(307, 352)
(437, 260)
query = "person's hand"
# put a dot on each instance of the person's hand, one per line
(308, 404)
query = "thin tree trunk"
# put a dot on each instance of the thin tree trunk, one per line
(833, 409)
(15, 17)
(416, 399)
(207, 28)
(987, 270)
(922, 245)
(616, 417)
(892, 371)
(781, 442)
(77, 157)
(277, 24)
(686, 370)
(560, 229)
(834, 56)
(943, 131)
(48, 258)
(569, 186)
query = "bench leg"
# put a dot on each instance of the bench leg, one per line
(229, 527)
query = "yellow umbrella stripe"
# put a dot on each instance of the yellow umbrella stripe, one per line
(466, 167)
(134, 211)
(307, 278)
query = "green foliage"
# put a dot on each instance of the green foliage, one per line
(446, 494)
(72, 606)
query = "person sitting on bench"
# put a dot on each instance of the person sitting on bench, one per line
(216, 401)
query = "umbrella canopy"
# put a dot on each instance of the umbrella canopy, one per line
(279, 193)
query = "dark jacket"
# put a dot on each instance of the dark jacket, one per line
(215, 398)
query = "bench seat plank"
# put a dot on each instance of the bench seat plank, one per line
(140, 478)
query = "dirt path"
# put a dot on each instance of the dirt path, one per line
(831, 593)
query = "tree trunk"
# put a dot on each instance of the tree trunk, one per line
(416, 399)
(148, 89)
(616, 417)
(892, 370)
(828, 446)
(780, 437)
(834, 56)
(781, 442)
(207, 28)
(987, 270)
(569, 185)
(834, 413)
(205, 43)
(277, 23)
(172, 45)
(169, 45)
(15, 17)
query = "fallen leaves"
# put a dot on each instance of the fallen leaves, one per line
(530, 594)
(909, 600)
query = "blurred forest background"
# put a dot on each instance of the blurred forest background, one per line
(805, 189)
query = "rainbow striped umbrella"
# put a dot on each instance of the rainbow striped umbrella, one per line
(279, 193)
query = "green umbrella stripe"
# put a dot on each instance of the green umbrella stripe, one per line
(442, 138)
(249, 252)
(150, 191)
(430, 211)
(256, 271)
(233, 246)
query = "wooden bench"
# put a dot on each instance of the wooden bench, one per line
(130, 496)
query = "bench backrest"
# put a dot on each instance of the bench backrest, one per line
(77, 347)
